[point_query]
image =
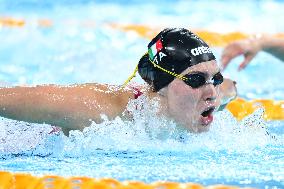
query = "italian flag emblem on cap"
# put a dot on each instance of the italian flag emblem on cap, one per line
(154, 49)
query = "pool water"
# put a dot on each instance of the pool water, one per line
(80, 45)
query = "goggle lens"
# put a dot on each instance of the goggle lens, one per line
(197, 80)
(217, 79)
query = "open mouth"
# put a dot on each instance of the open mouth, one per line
(207, 116)
(208, 111)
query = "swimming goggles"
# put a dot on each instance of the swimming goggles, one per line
(196, 80)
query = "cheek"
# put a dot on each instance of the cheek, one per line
(219, 96)
(183, 97)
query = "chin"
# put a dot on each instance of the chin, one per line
(199, 128)
(203, 128)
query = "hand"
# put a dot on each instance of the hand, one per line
(248, 48)
(228, 92)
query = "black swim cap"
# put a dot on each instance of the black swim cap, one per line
(171, 52)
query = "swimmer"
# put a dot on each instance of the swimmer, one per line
(250, 47)
(179, 68)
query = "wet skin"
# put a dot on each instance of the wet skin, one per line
(186, 104)
(76, 106)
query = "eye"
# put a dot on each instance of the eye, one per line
(217, 79)
(195, 80)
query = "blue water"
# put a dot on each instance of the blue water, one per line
(81, 46)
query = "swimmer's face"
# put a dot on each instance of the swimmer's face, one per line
(193, 107)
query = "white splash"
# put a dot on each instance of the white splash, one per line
(144, 132)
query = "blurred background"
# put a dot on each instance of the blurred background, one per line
(78, 41)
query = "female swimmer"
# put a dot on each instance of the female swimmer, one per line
(179, 68)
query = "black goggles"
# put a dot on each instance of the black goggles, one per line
(197, 80)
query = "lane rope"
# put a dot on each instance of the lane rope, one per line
(212, 38)
(27, 181)
(273, 110)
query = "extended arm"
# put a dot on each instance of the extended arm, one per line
(250, 47)
(274, 46)
(70, 107)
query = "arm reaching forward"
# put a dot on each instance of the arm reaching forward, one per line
(250, 47)
(70, 107)
(74, 107)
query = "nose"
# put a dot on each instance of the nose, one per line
(210, 93)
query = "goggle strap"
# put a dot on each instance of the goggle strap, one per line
(130, 77)
(155, 65)
(169, 72)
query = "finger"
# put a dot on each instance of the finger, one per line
(229, 53)
(224, 62)
(227, 56)
(226, 59)
(245, 62)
